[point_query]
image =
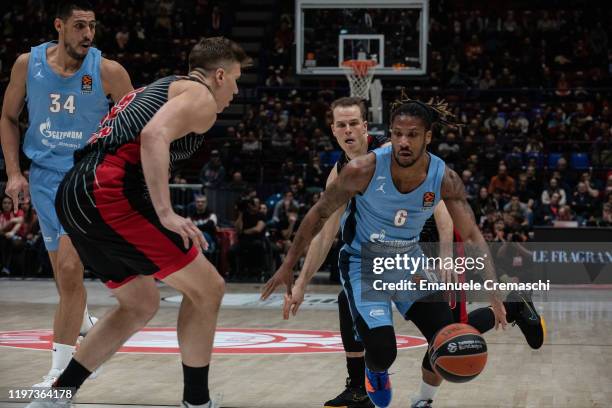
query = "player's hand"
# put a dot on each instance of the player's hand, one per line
(293, 301)
(448, 275)
(186, 229)
(15, 186)
(499, 311)
(283, 276)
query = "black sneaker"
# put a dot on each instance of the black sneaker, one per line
(351, 397)
(422, 404)
(529, 321)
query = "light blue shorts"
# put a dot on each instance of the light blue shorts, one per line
(43, 188)
(374, 312)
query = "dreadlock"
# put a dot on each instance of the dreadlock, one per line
(435, 111)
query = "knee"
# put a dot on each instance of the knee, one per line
(144, 308)
(209, 293)
(381, 348)
(69, 276)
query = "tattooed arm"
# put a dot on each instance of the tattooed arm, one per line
(353, 179)
(453, 194)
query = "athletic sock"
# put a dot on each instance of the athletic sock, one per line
(195, 379)
(482, 319)
(61, 356)
(356, 370)
(73, 376)
(426, 392)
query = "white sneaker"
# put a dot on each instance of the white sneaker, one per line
(48, 379)
(87, 324)
(59, 403)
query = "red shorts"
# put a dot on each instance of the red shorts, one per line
(106, 210)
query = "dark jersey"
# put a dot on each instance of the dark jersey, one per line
(374, 142)
(119, 131)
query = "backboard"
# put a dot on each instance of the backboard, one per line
(392, 32)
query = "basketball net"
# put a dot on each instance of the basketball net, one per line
(359, 74)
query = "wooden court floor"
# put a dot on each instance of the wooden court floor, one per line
(573, 369)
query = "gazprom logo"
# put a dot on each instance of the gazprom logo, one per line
(46, 131)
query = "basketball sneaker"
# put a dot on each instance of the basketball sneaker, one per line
(378, 387)
(527, 318)
(49, 379)
(87, 324)
(210, 404)
(351, 397)
(55, 403)
(422, 404)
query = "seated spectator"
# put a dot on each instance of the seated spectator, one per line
(282, 207)
(314, 173)
(484, 203)
(251, 143)
(24, 241)
(502, 182)
(471, 187)
(237, 183)
(213, 173)
(604, 219)
(246, 255)
(448, 150)
(516, 206)
(582, 203)
(553, 187)
(10, 223)
(206, 221)
(549, 212)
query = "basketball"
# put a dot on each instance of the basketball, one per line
(458, 353)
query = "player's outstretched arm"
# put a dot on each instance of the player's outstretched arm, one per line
(191, 108)
(322, 242)
(354, 179)
(13, 102)
(116, 80)
(453, 194)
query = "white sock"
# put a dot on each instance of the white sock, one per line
(427, 392)
(62, 354)
(87, 322)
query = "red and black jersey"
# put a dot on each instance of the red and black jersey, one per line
(124, 122)
(374, 142)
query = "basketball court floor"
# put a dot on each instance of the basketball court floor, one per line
(262, 361)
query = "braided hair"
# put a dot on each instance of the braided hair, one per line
(435, 111)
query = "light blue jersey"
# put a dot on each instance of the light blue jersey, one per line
(384, 215)
(63, 112)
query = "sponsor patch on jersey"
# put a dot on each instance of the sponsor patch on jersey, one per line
(429, 198)
(86, 84)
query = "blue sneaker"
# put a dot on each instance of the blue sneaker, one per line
(378, 387)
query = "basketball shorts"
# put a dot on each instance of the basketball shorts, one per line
(43, 188)
(112, 223)
(375, 313)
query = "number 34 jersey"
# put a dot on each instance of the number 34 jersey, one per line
(63, 111)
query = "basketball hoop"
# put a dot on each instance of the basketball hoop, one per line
(359, 74)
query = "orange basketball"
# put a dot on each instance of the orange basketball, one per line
(458, 353)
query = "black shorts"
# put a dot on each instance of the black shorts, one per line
(104, 206)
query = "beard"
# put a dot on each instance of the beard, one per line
(72, 52)
(411, 161)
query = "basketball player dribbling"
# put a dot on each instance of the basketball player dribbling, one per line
(409, 172)
(115, 204)
(350, 130)
(64, 84)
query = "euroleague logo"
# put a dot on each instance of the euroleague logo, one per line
(155, 340)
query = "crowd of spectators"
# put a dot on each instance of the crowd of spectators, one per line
(534, 146)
